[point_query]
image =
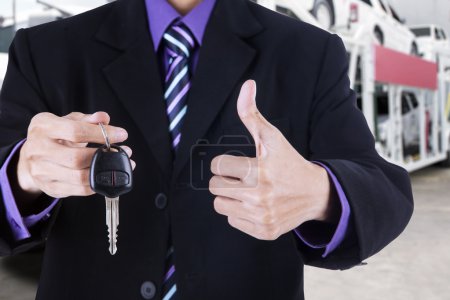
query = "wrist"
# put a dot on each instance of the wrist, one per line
(24, 189)
(325, 199)
(24, 179)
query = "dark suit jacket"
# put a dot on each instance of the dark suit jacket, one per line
(103, 60)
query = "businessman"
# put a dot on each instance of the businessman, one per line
(238, 182)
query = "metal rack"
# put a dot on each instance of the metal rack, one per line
(374, 69)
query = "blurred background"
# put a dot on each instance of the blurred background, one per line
(399, 67)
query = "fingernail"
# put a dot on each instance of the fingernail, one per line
(122, 134)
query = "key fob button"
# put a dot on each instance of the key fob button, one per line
(104, 178)
(121, 178)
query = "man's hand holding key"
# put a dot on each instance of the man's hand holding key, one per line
(55, 160)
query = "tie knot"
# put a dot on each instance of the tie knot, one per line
(179, 40)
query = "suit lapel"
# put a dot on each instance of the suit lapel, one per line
(134, 76)
(224, 57)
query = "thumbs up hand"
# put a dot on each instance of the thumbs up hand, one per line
(274, 192)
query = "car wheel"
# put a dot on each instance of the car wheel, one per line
(415, 50)
(379, 37)
(324, 13)
(446, 163)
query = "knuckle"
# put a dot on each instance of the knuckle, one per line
(268, 234)
(76, 132)
(213, 184)
(38, 121)
(267, 218)
(74, 115)
(34, 129)
(263, 175)
(27, 152)
(38, 118)
(232, 222)
(216, 204)
(50, 188)
(261, 198)
(39, 177)
(214, 164)
(35, 172)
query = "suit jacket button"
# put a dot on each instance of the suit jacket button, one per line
(161, 201)
(148, 290)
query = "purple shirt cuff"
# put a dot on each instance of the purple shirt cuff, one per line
(341, 229)
(19, 225)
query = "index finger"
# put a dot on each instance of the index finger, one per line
(233, 166)
(83, 132)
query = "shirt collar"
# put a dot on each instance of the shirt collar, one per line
(161, 14)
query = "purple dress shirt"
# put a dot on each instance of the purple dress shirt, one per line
(160, 15)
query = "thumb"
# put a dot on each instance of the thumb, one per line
(95, 118)
(261, 130)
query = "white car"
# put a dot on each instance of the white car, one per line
(331, 14)
(431, 40)
(353, 17)
(380, 20)
(410, 123)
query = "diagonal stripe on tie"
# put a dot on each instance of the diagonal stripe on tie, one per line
(185, 35)
(179, 44)
(178, 118)
(170, 293)
(176, 92)
(179, 97)
(176, 80)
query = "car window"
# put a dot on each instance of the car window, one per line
(286, 11)
(438, 34)
(395, 15)
(382, 5)
(405, 105)
(414, 101)
(423, 31)
(443, 35)
(367, 2)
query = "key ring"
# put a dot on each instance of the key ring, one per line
(105, 135)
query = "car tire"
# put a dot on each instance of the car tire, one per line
(323, 11)
(379, 36)
(446, 163)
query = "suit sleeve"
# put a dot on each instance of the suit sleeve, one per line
(379, 193)
(327, 236)
(20, 100)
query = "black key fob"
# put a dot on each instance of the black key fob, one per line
(111, 174)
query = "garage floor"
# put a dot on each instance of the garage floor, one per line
(416, 266)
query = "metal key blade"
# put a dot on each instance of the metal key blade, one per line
(112, 222)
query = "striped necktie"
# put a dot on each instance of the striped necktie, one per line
(179, 45)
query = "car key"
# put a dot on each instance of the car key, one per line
(111, 175)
